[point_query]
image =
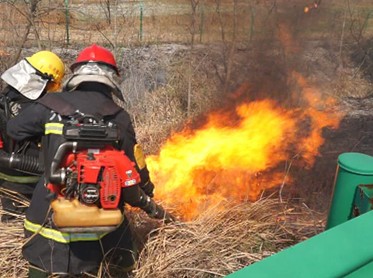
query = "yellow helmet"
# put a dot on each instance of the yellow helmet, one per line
(49, 63)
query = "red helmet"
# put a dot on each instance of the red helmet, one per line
(97, 54)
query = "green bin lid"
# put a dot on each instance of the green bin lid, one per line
(357, 163)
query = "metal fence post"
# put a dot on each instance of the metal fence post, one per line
(67, 21)
(141, 18)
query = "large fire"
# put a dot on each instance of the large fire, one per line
(236, 156)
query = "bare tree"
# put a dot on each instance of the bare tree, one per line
(106, 6)
(229, 43)
(193, 30)
(30, 15)
(193, 23)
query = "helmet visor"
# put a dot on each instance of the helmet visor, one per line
(25, 79)
(93, 68)
(94, 72)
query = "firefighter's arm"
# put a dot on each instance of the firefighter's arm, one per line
(136, 197)
(146, 184)
(134, 151)
(27, 123)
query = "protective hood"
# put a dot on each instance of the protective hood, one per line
(93, 72)
(25, 79)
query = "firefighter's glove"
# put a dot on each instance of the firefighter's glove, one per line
(160, 213)
(156, 211)
(148, 188)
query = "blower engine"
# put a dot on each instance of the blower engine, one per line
(87, 176)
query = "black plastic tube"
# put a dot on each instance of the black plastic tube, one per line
(23, 163)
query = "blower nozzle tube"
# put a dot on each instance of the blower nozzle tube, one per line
(20, 162)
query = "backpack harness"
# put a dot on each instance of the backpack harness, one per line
(88, 171)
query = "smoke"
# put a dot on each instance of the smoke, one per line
(271, 118)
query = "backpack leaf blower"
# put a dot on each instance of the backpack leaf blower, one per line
(87, 175)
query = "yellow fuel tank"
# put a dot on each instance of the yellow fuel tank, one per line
(72, 215)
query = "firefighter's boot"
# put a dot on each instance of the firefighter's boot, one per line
(34, 272)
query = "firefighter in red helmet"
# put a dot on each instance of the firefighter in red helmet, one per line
(88, 91)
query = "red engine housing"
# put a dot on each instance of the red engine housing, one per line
(108, 168)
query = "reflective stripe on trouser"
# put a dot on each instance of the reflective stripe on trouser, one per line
(19, 179)
(61, 237)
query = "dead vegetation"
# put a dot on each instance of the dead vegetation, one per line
(11, 262)
(213, 245)
(220, 242)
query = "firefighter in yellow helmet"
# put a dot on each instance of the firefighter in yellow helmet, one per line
(25, 82)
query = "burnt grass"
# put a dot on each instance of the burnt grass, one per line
(314, 186)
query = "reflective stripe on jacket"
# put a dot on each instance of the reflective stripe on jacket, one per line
(53, 128)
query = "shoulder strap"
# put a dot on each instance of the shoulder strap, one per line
(58, 104)
(65, 108)
(109, 108)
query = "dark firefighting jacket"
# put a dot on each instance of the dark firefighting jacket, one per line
(48, 248)
(11, 103)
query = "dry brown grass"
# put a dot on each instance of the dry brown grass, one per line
(221, 242)
(215, 244)
(11, 261)
(351, 83)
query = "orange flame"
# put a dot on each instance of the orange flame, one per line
(235, 160)
(319, 117)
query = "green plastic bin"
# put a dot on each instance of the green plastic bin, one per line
(353, 169)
